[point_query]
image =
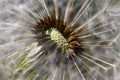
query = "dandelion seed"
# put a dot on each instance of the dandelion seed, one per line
(62, 40)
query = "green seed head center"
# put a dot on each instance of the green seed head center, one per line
(57, 37)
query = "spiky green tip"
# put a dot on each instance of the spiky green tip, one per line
(57, 37)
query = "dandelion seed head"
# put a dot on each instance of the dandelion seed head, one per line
(70, 39)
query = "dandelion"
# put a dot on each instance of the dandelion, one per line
(62, 40)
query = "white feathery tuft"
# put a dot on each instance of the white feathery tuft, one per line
(101, 20)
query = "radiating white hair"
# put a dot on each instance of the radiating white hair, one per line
(101, 18)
